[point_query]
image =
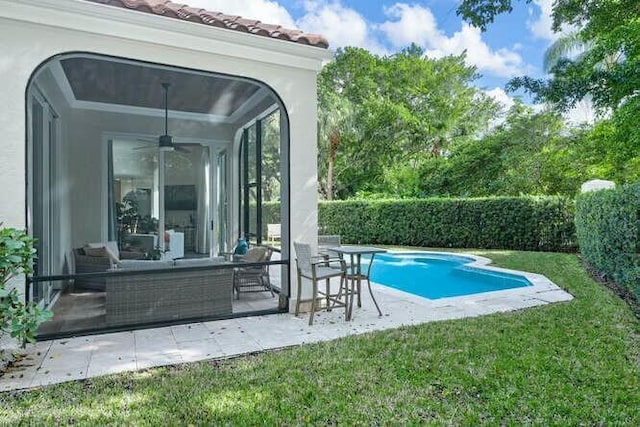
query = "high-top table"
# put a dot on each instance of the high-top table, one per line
(356, 275)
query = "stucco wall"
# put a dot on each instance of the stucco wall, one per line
(25, 45)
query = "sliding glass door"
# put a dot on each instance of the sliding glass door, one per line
(260, 176)
(45, 213)
(135, 180)
(187, 201)
(223, 202)
(163, 212)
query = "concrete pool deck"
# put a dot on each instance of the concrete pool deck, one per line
(78, 358)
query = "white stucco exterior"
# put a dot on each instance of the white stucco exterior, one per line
(32, 31)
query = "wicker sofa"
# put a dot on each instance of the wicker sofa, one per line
(154, 296)
(85, 263)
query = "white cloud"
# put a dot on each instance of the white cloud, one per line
(417, 24)
(541, 27)
(500, 96)
(412, 24)
(582, 112)
(342, 26)
(266, 11)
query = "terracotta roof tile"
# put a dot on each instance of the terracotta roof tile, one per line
(216, 19)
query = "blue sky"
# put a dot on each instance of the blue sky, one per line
(512, 46)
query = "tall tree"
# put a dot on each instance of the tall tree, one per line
(402, 109)
(530, 153)
(335, 119)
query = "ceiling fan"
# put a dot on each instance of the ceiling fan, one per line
(165, 142)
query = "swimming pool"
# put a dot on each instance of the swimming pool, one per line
(437, 275)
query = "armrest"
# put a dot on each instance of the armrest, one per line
(326, 262)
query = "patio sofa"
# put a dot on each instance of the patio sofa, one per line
(98, 258)
(155, 296)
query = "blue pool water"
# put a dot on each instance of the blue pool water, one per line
(434, 276)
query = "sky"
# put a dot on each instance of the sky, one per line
(513, 45)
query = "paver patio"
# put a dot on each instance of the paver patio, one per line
(50, 362)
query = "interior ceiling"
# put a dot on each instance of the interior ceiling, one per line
(121, 83)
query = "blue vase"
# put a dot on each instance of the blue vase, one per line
(241, 247)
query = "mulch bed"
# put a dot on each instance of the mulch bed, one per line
(625, 294)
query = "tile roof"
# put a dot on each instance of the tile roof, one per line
(216, 19)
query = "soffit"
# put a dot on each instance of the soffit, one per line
(107, 81)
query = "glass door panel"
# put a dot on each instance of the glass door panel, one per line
(45, 216)
(270, 168)
(250, 182)
(135, 178)
(223, 203)
(187, 205)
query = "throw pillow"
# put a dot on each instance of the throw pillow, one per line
(102, 252)
(112, 245)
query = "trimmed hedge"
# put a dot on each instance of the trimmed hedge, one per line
(520, 223)
(608, 232)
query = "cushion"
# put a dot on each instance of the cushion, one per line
(102, 252)
(112, 245)
(133, 264)
(255, 254)
(198, 262)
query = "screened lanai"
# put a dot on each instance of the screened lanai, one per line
(141, 178)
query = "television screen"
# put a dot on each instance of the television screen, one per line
(180, 198)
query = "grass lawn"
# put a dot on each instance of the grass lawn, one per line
(561, 364)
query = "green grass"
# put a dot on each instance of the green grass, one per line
(561, 364)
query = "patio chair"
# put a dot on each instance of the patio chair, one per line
(253, 278)
(273, 233)
(328, 240)
(315, 269)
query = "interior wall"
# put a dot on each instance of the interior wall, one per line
(86, 141)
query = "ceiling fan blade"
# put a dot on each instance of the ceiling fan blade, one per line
(180, 148)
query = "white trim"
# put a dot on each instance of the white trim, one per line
(63, 83)
(213, 201)
(128, 24)
(176, 140)
(253, 100)
(148, 112)
(104, 200)
(268, 111)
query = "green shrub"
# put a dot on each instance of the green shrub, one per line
(18, 319)
(608, 232)
(522, 223)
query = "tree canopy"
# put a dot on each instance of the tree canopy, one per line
(405, 125)
(607, 72)
(388, 113)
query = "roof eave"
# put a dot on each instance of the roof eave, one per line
(112, 21)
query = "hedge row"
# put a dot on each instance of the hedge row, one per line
(522, 223)
(608, 231)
